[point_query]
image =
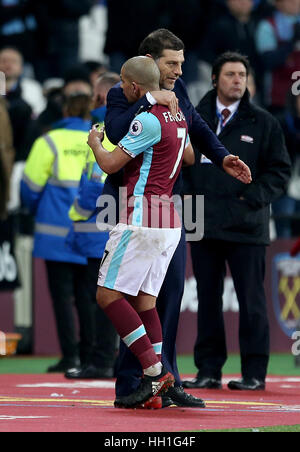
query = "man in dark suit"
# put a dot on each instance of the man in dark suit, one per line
(168, 52)
(236, 225)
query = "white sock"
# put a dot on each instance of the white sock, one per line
(153, 371)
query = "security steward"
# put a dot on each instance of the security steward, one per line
(236, 225)
(87, 238)
(50, 184)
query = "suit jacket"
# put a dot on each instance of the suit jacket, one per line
(234, 211)
(120, 114)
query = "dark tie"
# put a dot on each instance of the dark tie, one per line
(225, 114)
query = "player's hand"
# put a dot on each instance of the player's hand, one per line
(167, 98)
(237, 168)
(95, 136)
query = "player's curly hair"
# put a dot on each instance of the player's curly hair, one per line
(158, 41)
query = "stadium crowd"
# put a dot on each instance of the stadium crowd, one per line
(51, 51)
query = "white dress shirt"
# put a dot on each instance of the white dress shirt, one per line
(220, 107)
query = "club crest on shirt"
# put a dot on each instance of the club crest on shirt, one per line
(136, 127)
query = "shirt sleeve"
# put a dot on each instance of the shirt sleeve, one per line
(120, 113)
(144, 132)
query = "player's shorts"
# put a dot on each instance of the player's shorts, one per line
(137, 258)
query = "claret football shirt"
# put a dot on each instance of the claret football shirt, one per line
(156, 142)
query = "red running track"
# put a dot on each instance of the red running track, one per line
(50, 403)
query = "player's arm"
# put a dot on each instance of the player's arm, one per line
(188, 156)
(144, 132)
(120, 113)
(109, 162)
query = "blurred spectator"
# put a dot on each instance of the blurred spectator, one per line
(188, 20)
(101, 88)
(277, 41)
(79, 71)
(234, 30)
(286, 210)
(262, 8)
(151, 15)
(58, 22)
(19, 110)
(92, 32)
(49, 187)
(96, 69)
(12, 64)
(55, 90)
(252, 88)
(18, 26)
(9, 274)
(7, 155)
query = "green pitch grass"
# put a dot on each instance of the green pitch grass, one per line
(280, 364)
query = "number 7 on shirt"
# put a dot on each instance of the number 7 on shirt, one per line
(181, 134)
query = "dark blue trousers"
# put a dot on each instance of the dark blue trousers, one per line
(129, 370)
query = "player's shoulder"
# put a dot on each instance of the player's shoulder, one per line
(145, 121)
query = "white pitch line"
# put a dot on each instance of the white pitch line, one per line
(4, 417)
(77, 385)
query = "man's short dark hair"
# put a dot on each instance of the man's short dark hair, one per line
(229, 57)
(158, 41)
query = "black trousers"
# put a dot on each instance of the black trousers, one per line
(247, 266)
(71, 284)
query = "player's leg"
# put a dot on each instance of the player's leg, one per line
(129, 325)
(145, 306)
(168, 304)
(133, 333)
